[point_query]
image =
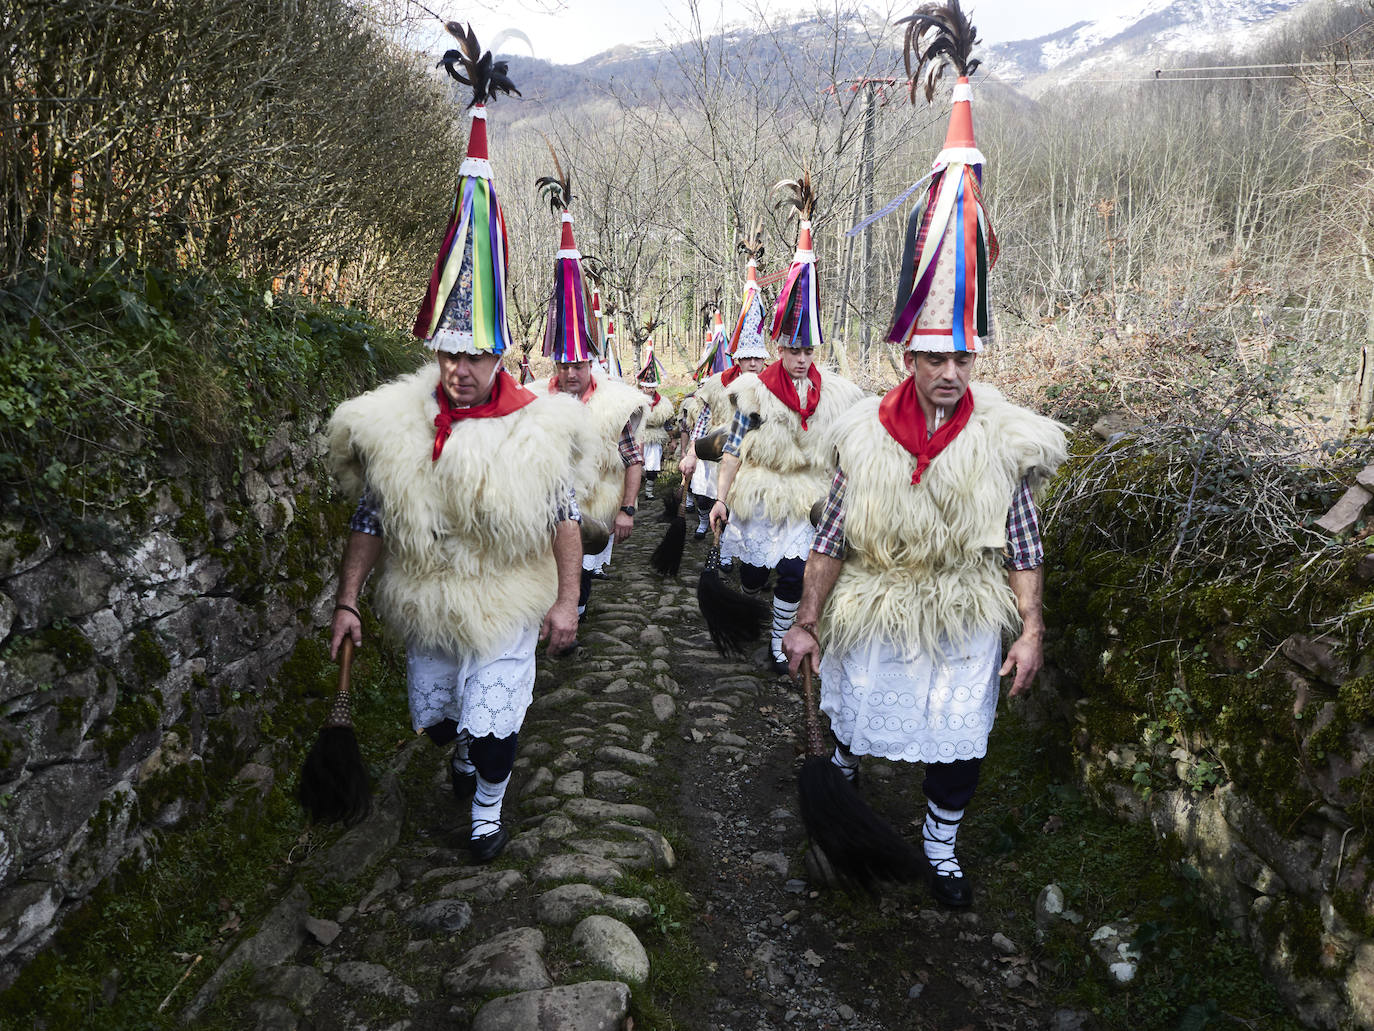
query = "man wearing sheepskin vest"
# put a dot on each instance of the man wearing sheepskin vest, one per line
(715, 413)
(775, 468)
(608, 483)
(471, 603)
(657, 419)
(927, 551)
(466, 500)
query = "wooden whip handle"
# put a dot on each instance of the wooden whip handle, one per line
(341, 712)
(345, 663)
(815, 738)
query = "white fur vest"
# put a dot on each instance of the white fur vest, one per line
(712, 393)
(784, 469)
(656, 421)
(925, 561)
(467, 557)
(601, 477)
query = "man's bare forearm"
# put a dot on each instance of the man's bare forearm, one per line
(1028, 585)
(361, 553)
(567, 556)
(819, 580)
(725, 475)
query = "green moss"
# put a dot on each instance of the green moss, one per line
(134, 714)
(150, 661)
(69, 712)
(68, 644)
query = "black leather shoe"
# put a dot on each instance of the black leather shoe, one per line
(464, 784)
(781, 668)
(484, 850)
(945, 888)
(699, 535)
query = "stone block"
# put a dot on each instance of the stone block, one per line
(54, 803)
(611, 945)
(1316, 654)
(1346, 512)
(63, 587)
(589, 1006)
(511, 961)
(27, 910)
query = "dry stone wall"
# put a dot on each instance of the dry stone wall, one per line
(1271, 808)
(136, 664)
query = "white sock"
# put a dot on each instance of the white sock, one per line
(784, 613)
(938, 832)
(486, 807)
(461, 763)
(847, 761)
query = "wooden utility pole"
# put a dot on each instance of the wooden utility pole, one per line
(866, 161)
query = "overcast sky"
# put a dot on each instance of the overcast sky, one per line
(568, 31)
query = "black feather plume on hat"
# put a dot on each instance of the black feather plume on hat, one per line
(939, 35)
(556, 189)
(801, 196)
(486, 76)
(751, 244)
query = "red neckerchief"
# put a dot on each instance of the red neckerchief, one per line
(506, 396)
(731, 374)
(901, 414)
(776, 379)
(655, 401)
(554, 388)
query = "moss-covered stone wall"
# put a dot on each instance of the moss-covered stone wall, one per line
(161, 554)
(1227, 701)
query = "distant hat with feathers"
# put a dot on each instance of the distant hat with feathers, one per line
(567, 336)
(796, 317)
(748, 339)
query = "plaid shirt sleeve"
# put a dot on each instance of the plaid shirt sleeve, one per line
(739, 426)
(703, 420)
(829, 539)
(631, 450)
(1024, 548)
(367, 517)
(568, 509)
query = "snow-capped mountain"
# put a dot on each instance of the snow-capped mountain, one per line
(1151, 36)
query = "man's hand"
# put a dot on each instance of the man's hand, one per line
(345, 625)
(1026, 656)
(688, 464)
(797, 645)
(720, 515)
(624, 524)
(559, 626)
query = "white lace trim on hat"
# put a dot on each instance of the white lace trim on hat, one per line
(941, 342)
(962, 91)
(803, 256)
(478, 168)
(754, 349)
(573, 253)
(960, 155)
(455, 341)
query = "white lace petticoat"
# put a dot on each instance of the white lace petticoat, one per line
(759, 542)
(653, 458)
(704, 478)
(484, 695)
(920, 709)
